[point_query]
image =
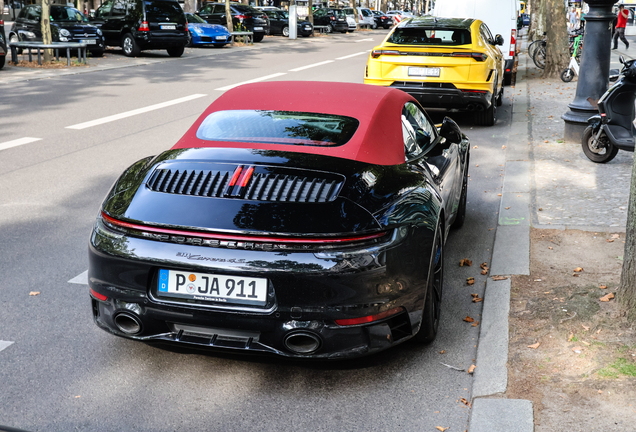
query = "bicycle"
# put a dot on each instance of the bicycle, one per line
(573, 68)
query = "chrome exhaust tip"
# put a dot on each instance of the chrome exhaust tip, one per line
(302, 343)
(127, 323)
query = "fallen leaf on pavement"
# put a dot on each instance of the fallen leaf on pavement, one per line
(484, 265)
(470, 280)
(578, 269)
(607, 297)
(477, 299)
(439, 428)
(570, 337)
(585, 343)
(468, 319)
(465, 402)
(600, 392)
(34, 293)
(577, 349)
(540, 208)
(575, 274)
(534, 346)
(507, 208)
(603, 287)
(615, 236)
(586, 328)
(503, 147)
(78, 396)
(546, 141)
(498, 194)
(475, 324)
(471, 369)
(610, 240)
(498, 278)
(442, 351)
(475, 147)
(465, 262)
(550, 247)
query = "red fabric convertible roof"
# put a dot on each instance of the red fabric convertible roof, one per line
(378, 139)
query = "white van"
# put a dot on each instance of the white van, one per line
(499, 15)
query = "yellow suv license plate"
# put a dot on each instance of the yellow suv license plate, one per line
(423, 72)
(212, 287)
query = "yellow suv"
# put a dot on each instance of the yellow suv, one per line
(451, 63)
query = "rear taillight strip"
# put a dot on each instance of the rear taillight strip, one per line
(214, 236)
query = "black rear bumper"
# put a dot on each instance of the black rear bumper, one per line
(445, 95)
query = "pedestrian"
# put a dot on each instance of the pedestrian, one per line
(621, 22)
(572, 17)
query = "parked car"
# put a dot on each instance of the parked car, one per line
(334, 19)
(279, 22)
(365, 17)
(3, 45)
(138, 25)
(67, 25)
(499, 15)
(352, 24)
(444, 63)
(244, 16)
(202, 33)
(286, 221)
(382, 19)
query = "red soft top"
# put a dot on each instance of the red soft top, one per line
(378, 139)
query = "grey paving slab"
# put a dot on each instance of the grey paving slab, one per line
(501, 415)
(517, 177)
(511, 253)
(491, 374)
(520, 129)
(520, 104)
(518, 148)
(515, 209)
(520, 117)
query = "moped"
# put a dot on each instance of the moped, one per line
(612, 129)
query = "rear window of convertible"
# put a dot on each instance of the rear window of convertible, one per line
(429, 36)
(278, 127)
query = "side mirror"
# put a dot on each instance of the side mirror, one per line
(450, 131)
(499, 40)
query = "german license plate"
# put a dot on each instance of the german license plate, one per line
(168, 27)
(258, 28)
(307, 28)
(221, 37)
(423, 71)
(89, 41)
(213, 287)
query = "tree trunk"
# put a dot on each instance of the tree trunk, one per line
(352, 4)
(310, 11)
(190, 6)
(228, 16)
(557, 54)
(537, 19)
(45, 26)
(627, 288)
(383, 7)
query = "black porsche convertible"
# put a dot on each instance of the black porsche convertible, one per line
(287, 220)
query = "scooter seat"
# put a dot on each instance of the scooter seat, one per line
(621, 137)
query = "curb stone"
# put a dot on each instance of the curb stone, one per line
(511, 255)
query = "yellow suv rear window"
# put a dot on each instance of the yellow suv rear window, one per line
(430, 36)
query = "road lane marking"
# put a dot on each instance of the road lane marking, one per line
(298, 69)
(229, 87)
(351, 55)
(81, 279)
(134, 112)
(364, 40)
(5, 344)
(18, 142)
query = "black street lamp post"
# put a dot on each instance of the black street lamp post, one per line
(594, 68)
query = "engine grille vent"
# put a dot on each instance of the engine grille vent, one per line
(261, 186)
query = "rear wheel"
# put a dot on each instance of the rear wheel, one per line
(487, 117)
(375, 25)
(500, 97)
(258, 37)
(601, 151)
(539, 57)
(97, 53)
(175, 51)
(433, 306)
(330, 28)
(189, 42)
(286, 31)
(129, 46)
(2, 61)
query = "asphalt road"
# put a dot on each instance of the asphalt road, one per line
(62, 373)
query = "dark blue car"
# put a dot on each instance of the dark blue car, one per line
(202, 33)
